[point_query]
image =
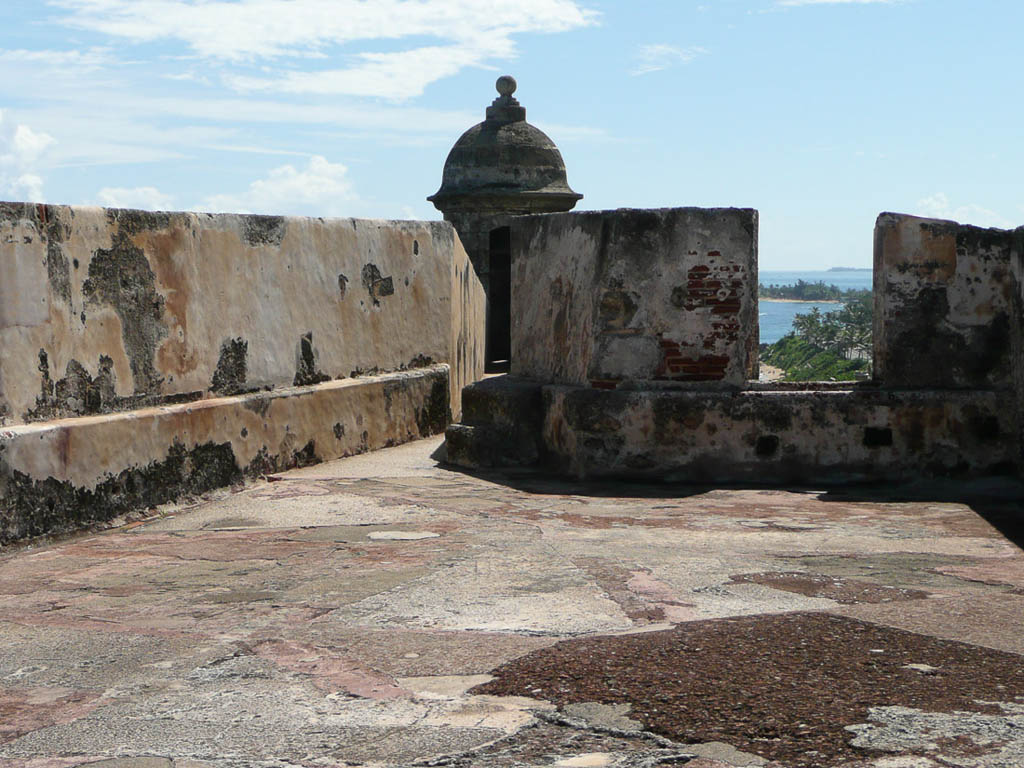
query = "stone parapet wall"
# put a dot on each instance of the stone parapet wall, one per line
(634, 345)
(58, 475)
(780, 437)
(764, 436)
(1017, 329)
(145, 355)
(108, 310)
(608, 299)
(944, 304)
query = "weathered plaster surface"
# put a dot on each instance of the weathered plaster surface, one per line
(764, 435)
(468, 307)
(1017, 328)
(58, 474)
(107, 310)
(779, 437)
(147, 355)
(607, 299)
(944, 297)
(627, 324)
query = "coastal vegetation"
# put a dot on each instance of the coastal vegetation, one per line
(826, 346)
(804, 291)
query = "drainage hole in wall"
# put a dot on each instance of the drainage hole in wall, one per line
(767, 445)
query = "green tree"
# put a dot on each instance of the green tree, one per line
(830, 345)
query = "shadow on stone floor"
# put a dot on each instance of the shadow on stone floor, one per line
(998, 500)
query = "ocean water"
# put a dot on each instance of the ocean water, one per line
(776, 317)
(844, 280)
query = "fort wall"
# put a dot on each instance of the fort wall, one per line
(616, 298)
(147, 354)
(944, 304)
(1017, 329)
(634, 356)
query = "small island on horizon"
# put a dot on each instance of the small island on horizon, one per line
(849, 269)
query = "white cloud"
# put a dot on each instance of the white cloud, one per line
(321, 188)
(938, 206)
(105, 108)
(395, 76)
(27, 187)
(469, 33)
(250, 29)
(300, 69)
(21, 152)
(659, 56)
(119, 126)
(187, 77)
(27, 146)
(145, 198)
(73, 61)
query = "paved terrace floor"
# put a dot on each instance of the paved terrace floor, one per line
(385, 611)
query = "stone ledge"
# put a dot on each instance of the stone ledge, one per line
(58, 475)
(488, 447)
(770, 437)
(504, 401)
(780, 437)
(502, 420)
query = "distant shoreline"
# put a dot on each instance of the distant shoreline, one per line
(802, 301)
(849, 269)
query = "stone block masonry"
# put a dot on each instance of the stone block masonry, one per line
(944, 303)
(57, 475)
(1017, 329)
(777, 437)
(634, 353)
(107, 312)
(615, 298)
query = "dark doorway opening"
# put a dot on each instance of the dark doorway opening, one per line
(499, 301)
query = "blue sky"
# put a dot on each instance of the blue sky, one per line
(819, 113)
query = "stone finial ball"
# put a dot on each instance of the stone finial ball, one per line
(506, 85)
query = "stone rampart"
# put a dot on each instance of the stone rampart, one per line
(131, 338)
(944, 296)
(779, 436)
(1017, 329)
(634, 338)
(612, 298)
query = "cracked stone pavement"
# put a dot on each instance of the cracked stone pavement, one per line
(343, 614)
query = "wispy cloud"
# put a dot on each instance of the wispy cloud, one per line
(69, 61)
(659, 56)
(393, 76)
(938, 206)
(236, 73)
(248, 29)
(181, 80)
(468, 33)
